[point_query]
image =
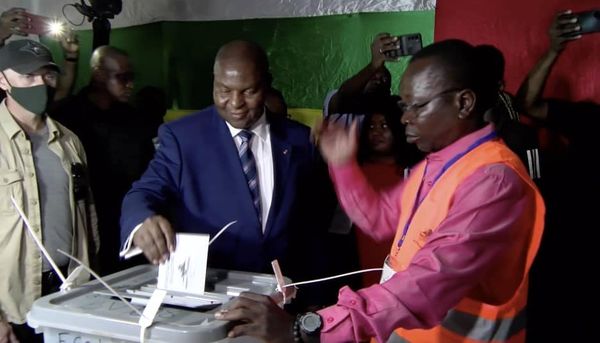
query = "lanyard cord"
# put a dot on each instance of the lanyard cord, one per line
(446, 166)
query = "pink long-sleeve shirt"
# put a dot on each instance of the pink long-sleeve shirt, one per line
(485, 217)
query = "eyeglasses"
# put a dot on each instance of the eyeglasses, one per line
(124, 77)
(417, 106)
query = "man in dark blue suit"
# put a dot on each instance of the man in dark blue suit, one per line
(196, 181)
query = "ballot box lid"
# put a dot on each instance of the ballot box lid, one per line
(90, 309)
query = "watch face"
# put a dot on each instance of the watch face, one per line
(310, 323)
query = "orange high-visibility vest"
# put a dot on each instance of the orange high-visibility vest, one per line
(476, 318)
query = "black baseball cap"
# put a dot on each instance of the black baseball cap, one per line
(25, 56)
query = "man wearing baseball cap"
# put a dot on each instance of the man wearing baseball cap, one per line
(42, 167)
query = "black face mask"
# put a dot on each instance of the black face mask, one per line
(34, 99)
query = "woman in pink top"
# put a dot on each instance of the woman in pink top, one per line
(384, 156)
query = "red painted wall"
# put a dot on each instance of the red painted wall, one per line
(519, 29)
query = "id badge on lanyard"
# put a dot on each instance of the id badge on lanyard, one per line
(387, 272)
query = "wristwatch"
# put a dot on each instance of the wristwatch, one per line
(310, 323)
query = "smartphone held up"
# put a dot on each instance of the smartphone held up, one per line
(588, 21)
(41, 25)
(408, 44)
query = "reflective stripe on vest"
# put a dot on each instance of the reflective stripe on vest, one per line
(478, 328)
(471, 320)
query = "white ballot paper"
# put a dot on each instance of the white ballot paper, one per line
(185, 270)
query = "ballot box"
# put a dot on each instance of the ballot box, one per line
(91, 314)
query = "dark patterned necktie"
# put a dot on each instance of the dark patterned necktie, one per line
(249, 166)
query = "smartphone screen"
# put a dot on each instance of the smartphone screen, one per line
(589, 21)
(38, 25)
(408, 44)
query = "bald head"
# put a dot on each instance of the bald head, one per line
(245, 52)
(240, 83)
(104, 53)
(112, 73)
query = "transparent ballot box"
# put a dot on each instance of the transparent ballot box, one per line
(91, 314)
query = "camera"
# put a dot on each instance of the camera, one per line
(408, 44)
(102, 9)
(107, 8)
(98, 12)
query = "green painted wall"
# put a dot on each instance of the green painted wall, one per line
(309, 56)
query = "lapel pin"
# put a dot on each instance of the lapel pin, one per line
(285, 151)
